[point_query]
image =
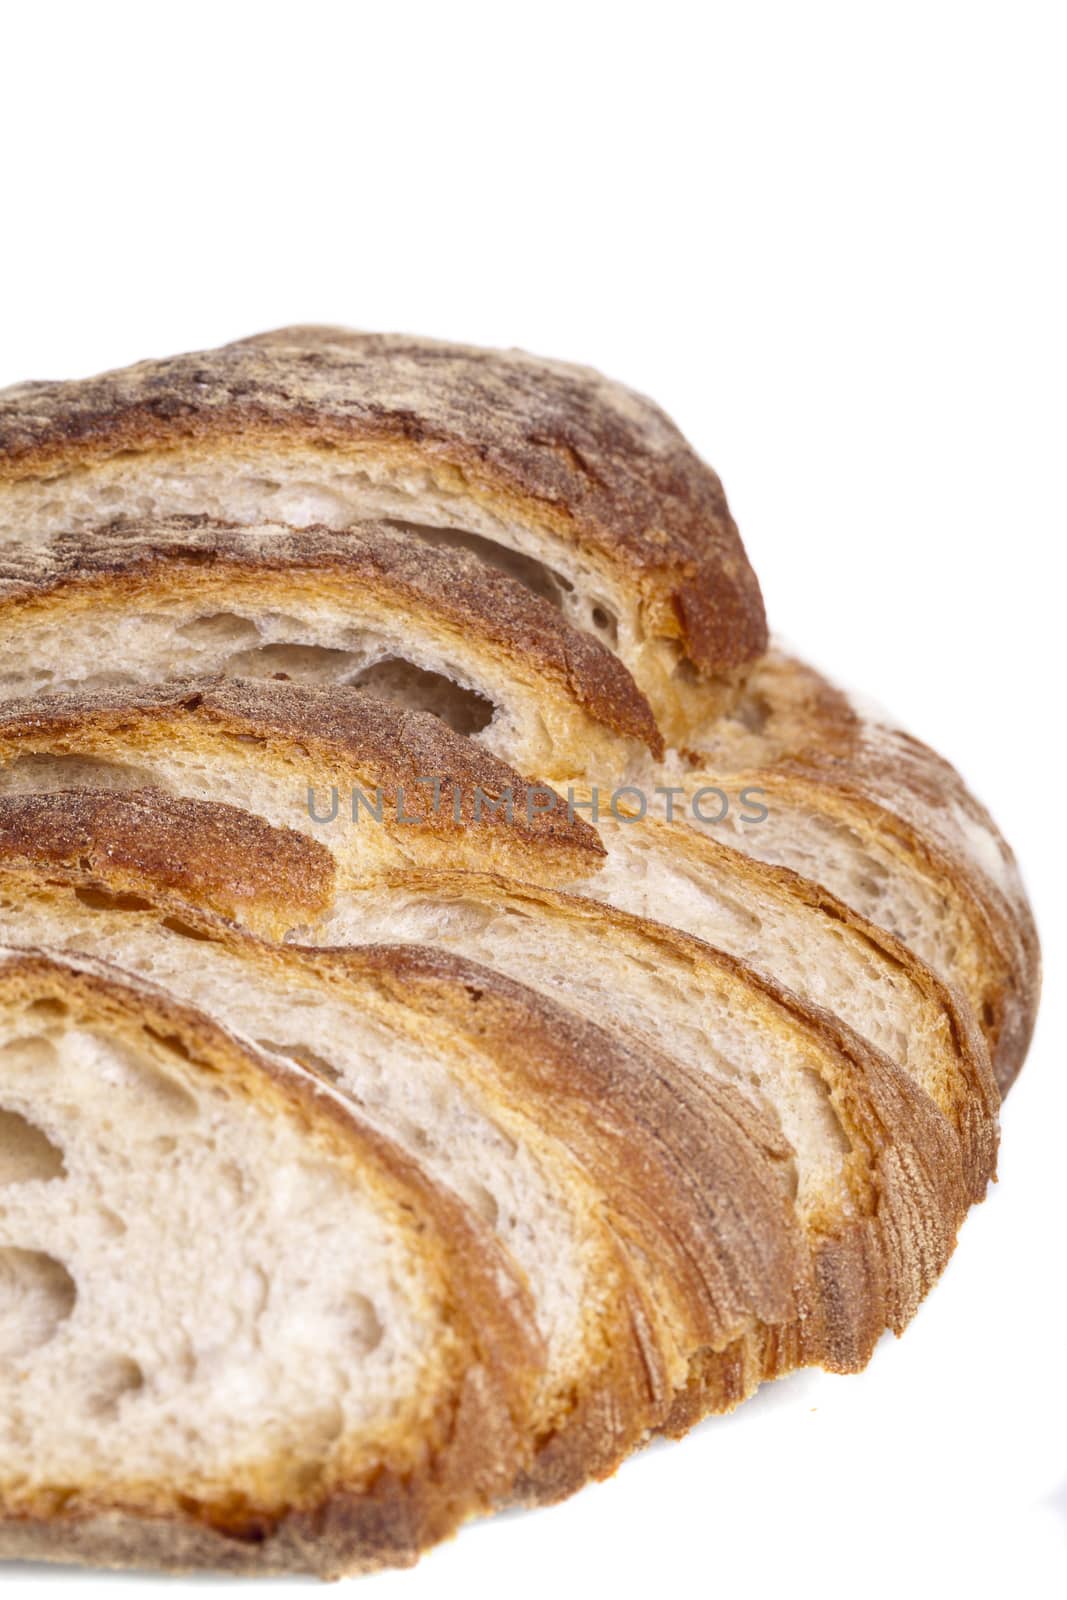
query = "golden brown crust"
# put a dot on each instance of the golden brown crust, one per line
(123, 723)
(693, 1177)
(400, 1491)
(810, 746)
(720, 1276)
(906, 1165)
(694, 1185)
(1003, 978)
(334, 735)
(449, 589)
(558, 446)
(624, 1386)
(971, 1099)
(131, 721)
(142, 841)
(869, 1265)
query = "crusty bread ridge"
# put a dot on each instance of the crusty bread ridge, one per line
(223, 738)
(804, 1073)
(945, 881)
(286, 751)
(666, 1151)
(352, 601)
(491, 1125)
(889, 826)
(311, 425)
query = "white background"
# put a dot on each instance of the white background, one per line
(829, 240)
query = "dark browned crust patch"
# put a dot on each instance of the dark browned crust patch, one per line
(560, 445)
(143, 840)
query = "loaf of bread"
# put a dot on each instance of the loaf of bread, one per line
(412, 849)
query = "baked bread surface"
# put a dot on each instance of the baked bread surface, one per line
(337, 672)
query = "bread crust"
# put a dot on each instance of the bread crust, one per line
(967, 1093)
(813, 747)
(412, 1485)
(627, 1386)
(388, 746)
(1002, 976)
(324, 737)
(874, 1264)
(142, 840)
(368, 568)
(700, 1244)
(557, 446)
(867, 1266)
(713, 1252)
(693, 1177)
